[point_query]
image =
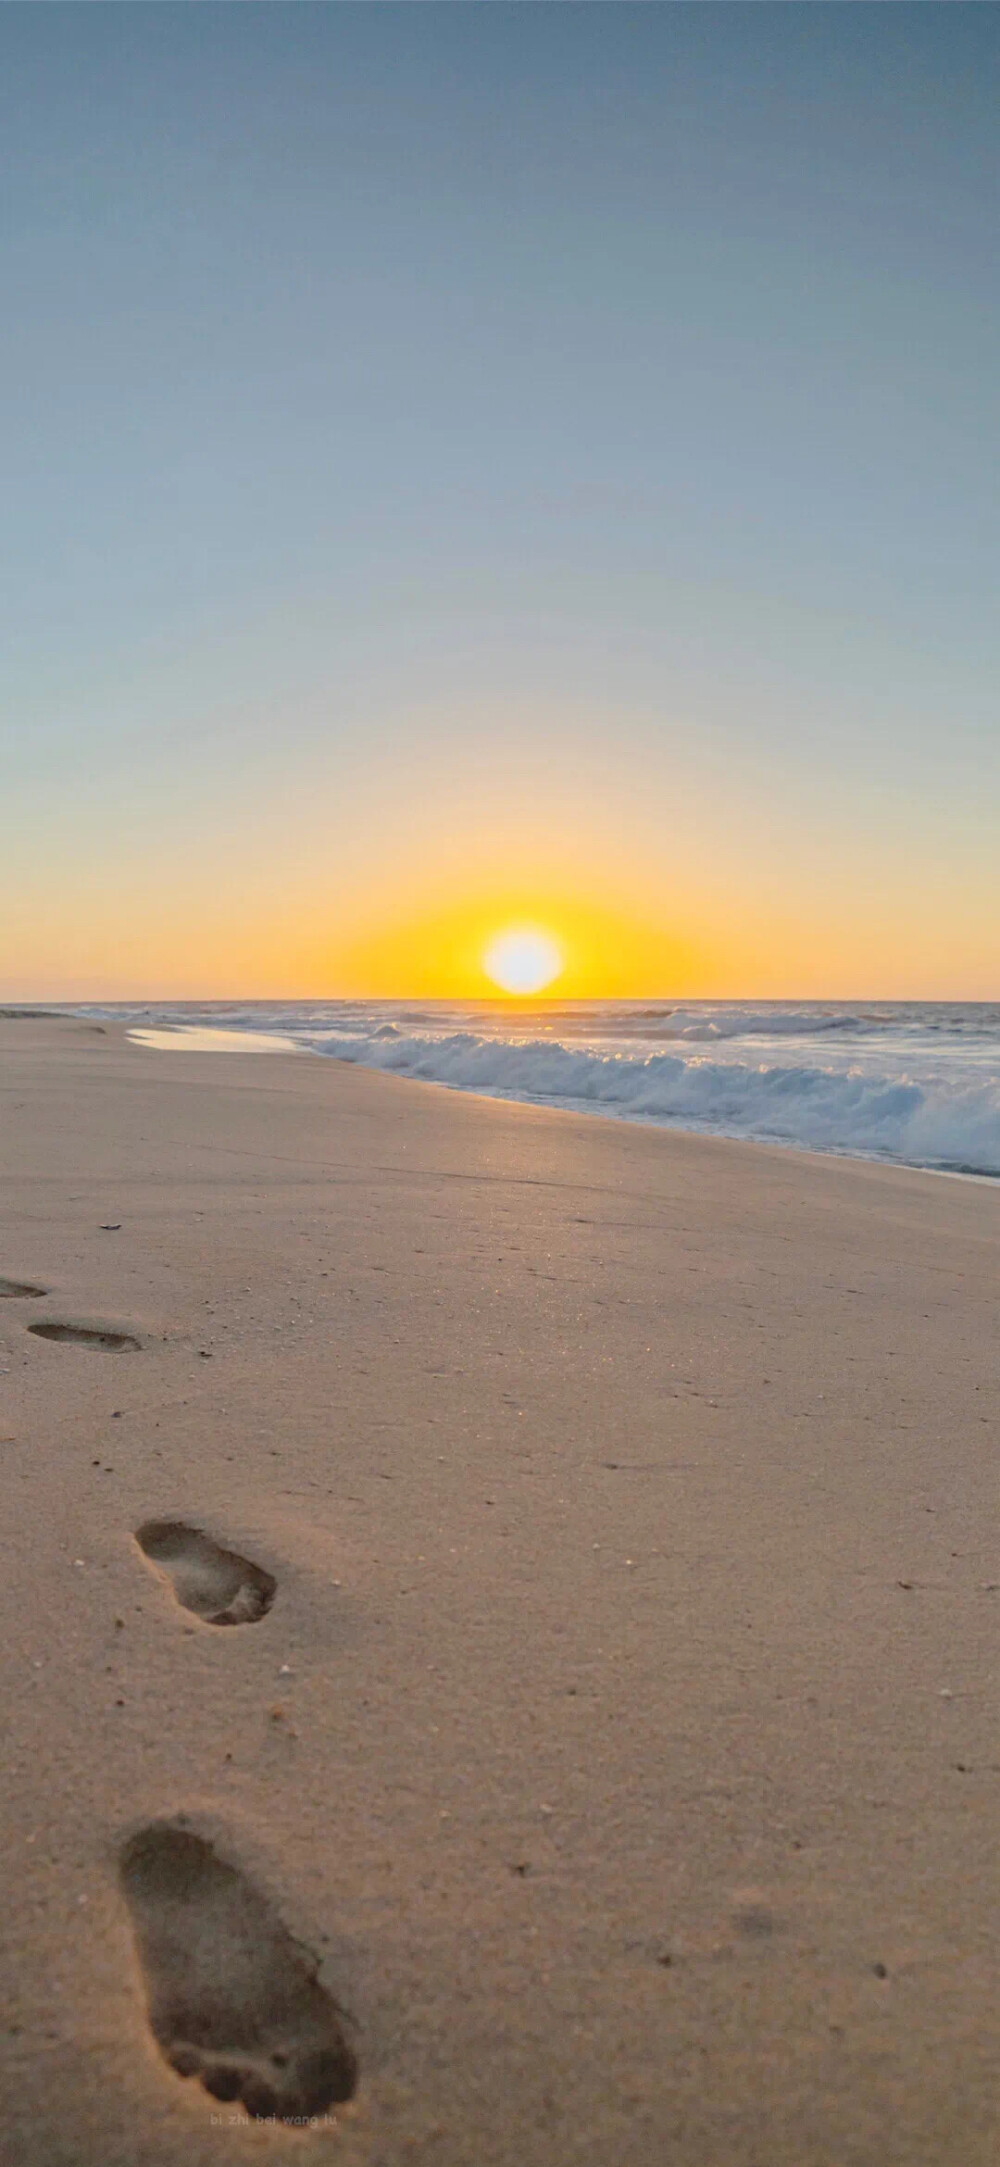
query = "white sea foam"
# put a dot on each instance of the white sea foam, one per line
(923, 1123)
(911, 1082)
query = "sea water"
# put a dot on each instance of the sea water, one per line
(917, 1083)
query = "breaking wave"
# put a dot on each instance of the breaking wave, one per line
(913, 1082)
(939, 1124)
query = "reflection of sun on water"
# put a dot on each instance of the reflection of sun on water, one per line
(522, 960)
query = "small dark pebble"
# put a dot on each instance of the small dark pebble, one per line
(120, 1624)
(522, 1869)
(880, 1971)
(116, 1414)
(115, 1229)
(665, 1962)
(119, 1704)
(755, 1921)
(904, 1583)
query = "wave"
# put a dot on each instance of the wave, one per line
(949, 1123)
(916, 1083)
(696, 1025)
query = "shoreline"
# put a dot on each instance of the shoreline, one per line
(619, 1737)
(164, 1039)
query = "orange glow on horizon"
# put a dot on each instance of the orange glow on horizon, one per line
(559, 948)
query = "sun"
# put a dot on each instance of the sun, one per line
(522, 960)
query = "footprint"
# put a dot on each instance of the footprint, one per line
(86, 1335)
(216, 1584)
(232, 1998)
(12, 1290)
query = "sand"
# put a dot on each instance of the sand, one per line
(599, 1746)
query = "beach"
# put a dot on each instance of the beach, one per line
(619, 1735)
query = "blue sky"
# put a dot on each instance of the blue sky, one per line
(559, 440)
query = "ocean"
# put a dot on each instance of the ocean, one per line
(914, 1083)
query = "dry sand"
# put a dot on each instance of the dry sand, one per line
(619, 1732)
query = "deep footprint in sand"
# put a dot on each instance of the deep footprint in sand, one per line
(218, 1585)
(88, 1335)
(19, 1290)
(232, 1998)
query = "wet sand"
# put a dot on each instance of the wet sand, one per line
(502, 1604)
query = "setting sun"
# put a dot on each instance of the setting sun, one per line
(522, 960)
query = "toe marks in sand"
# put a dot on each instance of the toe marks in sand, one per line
(218, 1585)
(88, 1335)
(232, 1999)
(19, 1290)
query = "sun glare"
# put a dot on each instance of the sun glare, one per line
(522, 960)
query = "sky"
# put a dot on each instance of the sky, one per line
(483, 465)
